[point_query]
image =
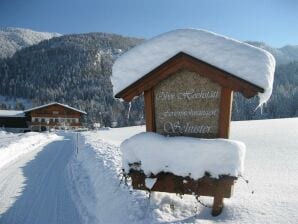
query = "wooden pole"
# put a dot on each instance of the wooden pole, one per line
(149, 110)
(217, 205)
(77, 143)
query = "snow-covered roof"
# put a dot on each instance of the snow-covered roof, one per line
(12, 113)
(247, 62)
(55, 103)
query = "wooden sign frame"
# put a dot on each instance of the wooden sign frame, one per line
(166, 182)
(183, 61)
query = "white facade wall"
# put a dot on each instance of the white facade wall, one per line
(60, 123)
(51, 119)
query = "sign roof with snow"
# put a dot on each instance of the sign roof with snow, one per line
(251, 69)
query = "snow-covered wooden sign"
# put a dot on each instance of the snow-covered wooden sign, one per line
(205, 110)
(188, 77)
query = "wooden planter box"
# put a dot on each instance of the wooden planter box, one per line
(206, 186)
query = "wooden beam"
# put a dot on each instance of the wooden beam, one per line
(149, 110)
(171, 183)
(218, 204)
(225, 113)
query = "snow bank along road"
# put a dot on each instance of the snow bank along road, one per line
(34, 187)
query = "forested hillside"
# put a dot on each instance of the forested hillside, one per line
(72, 69)
(283, 102)
(76, 70)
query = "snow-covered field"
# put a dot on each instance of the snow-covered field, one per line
(44, 180)
(270, 166)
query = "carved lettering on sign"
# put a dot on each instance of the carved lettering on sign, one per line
(187, 104)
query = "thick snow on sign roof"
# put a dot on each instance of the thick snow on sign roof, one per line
(240, 59)
(183, 156)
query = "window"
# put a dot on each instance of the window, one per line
(42, 120)
(55, 112)
(36, 119)
(56, 120)
(51, 120)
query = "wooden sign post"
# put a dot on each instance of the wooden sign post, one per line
(188, 97)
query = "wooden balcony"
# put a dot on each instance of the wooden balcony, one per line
(55, 124)
(51, 115)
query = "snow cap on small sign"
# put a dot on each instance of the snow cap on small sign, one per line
(156, 153)
(247, 62)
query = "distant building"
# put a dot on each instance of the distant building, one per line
(54, 116)
(43, 118)
(13, 120)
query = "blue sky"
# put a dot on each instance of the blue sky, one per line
(272, 21)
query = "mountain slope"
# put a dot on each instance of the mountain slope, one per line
(14, 39)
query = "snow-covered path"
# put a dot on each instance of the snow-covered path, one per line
(35, 189)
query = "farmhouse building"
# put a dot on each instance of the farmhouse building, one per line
(54, 116)
(42, 118)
